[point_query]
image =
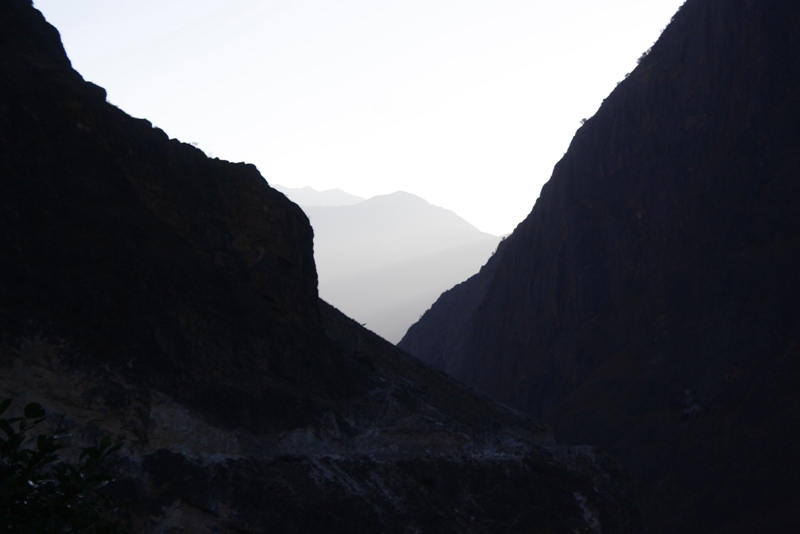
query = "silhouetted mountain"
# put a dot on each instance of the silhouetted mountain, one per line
(308, 196)
(650, 302)
(167, 298)
(384, 261)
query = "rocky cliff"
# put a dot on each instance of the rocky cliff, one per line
(650, 303)
(170, 300)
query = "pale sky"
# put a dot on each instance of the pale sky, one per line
(466, 103)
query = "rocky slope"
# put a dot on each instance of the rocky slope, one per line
(170, 300)
(650, 303)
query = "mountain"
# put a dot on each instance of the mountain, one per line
(308, 196)
(384, 261)
(168, 299)
(650, 304)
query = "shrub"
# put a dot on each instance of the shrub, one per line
(40, 493)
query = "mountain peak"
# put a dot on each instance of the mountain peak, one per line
(384, 261)
(170, 300)
(648, 304)
(307, 196)
(400, 196)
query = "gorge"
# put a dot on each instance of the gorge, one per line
(169, 300)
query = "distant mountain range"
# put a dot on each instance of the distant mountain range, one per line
(385, 260)
(308, 196)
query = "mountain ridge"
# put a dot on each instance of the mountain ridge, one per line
(647, 303)
(308, 196)
(384, 260)
(170, 300)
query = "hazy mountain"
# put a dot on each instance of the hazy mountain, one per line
(385, 261)
(650, 302)
(308, 196)
(170, 300)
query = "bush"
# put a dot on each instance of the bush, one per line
(40, 493)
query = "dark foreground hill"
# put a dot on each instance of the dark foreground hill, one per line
(151, 293)
(650, 302)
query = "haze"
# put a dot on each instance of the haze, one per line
(468, 104)
(385, 261)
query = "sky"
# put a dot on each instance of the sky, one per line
(466, 103)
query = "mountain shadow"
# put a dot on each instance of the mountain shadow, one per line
(650, 303)
(170, 300)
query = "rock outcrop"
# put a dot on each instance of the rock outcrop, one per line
(170, 300)
(650, 303)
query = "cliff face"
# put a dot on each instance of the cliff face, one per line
(151, 253)
(650, 303)
(170, 300)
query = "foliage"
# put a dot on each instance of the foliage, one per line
(40, 493)
(644, 55)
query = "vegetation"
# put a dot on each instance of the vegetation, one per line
(644, 55)
(40, 493)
